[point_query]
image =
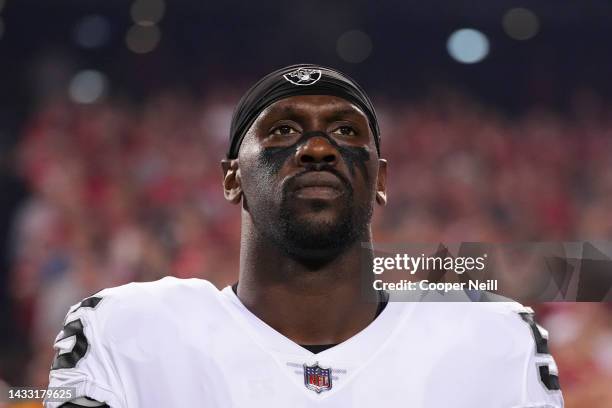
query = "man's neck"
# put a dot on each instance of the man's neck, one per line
(324, 305)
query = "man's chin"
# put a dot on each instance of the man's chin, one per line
(325, 229)
(318, 233)
(322, 222)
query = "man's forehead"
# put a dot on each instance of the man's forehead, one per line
(327, 105)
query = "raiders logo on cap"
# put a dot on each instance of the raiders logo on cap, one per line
(303, 76)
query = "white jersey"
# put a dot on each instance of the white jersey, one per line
(184, 343)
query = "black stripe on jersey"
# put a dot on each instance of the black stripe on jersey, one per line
(75, 328)
(541, 342)
(89, 302)
(73, 405)
(551, 381)
(69, 360)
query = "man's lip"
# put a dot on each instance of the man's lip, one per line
(323, 179)
(317, 185)
(317, 192)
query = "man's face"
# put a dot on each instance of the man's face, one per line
(309, 173)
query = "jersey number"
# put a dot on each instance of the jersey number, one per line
(549, 379)
(74, 328)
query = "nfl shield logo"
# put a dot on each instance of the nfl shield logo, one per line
(303, 76)
(317, 378)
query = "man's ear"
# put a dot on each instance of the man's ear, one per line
(232, 189)
(381, 183)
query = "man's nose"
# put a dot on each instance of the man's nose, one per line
(317, 150)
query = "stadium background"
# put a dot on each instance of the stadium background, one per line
(114, 115)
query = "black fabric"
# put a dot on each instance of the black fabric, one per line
(551, 381)
(69, 360)
(382, 303)
(89, 302)
(317, 348)
(275, 86)
(541, 342)
(72, 405)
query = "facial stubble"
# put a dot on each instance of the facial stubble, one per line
(303, 236)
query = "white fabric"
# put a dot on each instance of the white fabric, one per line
(183, 343)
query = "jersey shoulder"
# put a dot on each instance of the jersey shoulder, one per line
(117, 329)
(167, 289)
(498, 328)
(505, 319)
(162, 302)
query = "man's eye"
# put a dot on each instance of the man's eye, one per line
(344, 131)
(284, 130)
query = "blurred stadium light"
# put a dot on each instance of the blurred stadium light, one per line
(147, 12)
(520, 23)
(87, 86)
(354, 46)
(92, 31)
(468, 45)
(142, 39)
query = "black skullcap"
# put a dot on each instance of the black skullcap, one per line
(301, 79)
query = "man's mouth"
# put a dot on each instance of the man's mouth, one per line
(317, 185)
(317, 193)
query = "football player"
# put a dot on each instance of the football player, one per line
(304, 165)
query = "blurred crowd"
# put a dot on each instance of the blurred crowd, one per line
(123, 192)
